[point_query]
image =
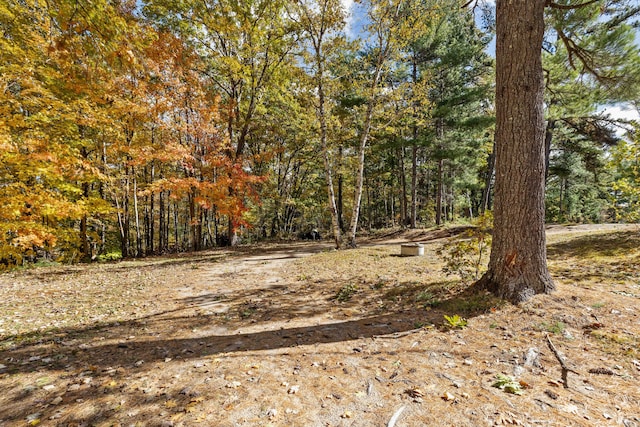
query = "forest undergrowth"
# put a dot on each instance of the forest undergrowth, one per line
(298, 334)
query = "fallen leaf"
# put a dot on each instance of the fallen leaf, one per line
(448, 396)
(272, 413)
(415, 392)
(33, 419)
(508, 419)
(524, 385)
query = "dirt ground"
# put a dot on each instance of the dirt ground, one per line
(297, 334)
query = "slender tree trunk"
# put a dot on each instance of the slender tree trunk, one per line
(403, 187)
(440, 184)
(486, 192)
(364, 136)
(124, 244)
(176, 234)
(101, 185)
(333, 208)
(414, 182)
(439, 192)
(152, 199)
(548, 138)
(137, 216)
(562, 187)
(123, 218)
(414, 152)
(161, 221)
(86, 251)
(340, 206)
(518, 262)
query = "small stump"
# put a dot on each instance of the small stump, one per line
(411, 249)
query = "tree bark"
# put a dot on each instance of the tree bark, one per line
(518, 262)
(548, 138)
(439, 193)
(162, 242)
(340, 200)
(84, 228)
(414, 154)
(440, 183)
(137, 215)
(333, 208)
(364, 136)
(486, 192)
(403, 187)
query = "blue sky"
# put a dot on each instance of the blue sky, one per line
(357, 18)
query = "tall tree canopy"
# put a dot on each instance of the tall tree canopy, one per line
(137, 128)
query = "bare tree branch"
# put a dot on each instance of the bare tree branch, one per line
(553, 5)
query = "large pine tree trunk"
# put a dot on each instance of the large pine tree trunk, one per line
(518, 264)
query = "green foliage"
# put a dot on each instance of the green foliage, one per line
(455, 321)
(508, 384)
(346, 293)
(110, 256)
(465, 255)
(625, 166)
(554, 328)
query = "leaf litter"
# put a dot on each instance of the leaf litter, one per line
(256, 337)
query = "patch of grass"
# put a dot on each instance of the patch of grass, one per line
(554, 328)
(381, 283)
(247, 312)
(346, 292)
(470, 303)
(425, 296)
(616, 343)
(596, 246)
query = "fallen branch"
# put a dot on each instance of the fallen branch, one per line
(398, 334)
(563, 365)
(394, 418)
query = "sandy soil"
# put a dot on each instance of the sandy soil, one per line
(297, 334)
